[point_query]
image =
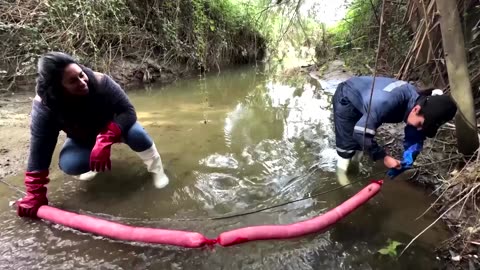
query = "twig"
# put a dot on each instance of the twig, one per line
(445, 190)
(374, 72)
(461, 209)
(441, 216)
(435, 162)
(14, 187)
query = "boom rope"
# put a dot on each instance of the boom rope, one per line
(374, 71)
(248, 212)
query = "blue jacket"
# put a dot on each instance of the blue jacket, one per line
(392, 101)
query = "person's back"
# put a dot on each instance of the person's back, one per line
(391, 102)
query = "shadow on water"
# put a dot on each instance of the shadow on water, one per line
(232, 142)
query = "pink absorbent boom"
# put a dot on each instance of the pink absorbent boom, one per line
(194, 239)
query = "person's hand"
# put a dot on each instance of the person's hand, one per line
(28, 206)
(35, 183)
(391, 162)
(100, 155)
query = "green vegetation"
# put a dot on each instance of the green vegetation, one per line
(355, 38)
(149, 40)
(390, 249)
(157, 36)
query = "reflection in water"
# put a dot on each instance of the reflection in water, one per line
(266, 142)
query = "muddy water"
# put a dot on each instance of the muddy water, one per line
(232, 142)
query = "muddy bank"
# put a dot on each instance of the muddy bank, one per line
(15, 135)
(129, 73)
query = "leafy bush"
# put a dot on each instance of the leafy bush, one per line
(197, 34)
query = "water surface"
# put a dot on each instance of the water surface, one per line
(230, 142)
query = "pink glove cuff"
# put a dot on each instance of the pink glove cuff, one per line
(113, 131)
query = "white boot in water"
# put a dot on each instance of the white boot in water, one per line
(342, 167)
(346, 166)
(86, 176)
(357, 157)
(342, 177)
(355, 164)
(343, 163)
(153, 161)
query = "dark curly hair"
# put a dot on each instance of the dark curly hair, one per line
(50, 74)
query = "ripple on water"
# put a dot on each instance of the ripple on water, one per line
(220, 161)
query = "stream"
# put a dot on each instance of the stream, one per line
(233, 141)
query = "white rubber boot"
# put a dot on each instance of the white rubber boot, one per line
(346, 166)
(357, 157)
(86, 176)
(153, 161)
(343, 165)
(355, 164)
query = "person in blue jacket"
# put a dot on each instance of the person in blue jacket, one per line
(393, 101)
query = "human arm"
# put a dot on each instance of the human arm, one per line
(43, 139)
(124, 111)
(413, 145)
(124, 116)
(365, 137)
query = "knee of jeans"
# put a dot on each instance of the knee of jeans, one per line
(72, 164)
(137, 138)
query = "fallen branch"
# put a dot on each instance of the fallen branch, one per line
(440, 217)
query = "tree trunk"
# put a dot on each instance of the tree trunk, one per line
(454, 49)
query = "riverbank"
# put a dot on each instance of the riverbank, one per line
(133, 43)
(14, 140)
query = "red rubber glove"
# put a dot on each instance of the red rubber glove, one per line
(36, 194)
(100, 156)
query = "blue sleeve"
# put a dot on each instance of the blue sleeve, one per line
(366, 137)
(43, 137)
(412, 145)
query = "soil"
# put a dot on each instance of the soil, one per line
(14, 138)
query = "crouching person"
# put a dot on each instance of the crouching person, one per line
(94, 112)
(393, 101)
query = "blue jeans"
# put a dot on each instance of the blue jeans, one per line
(75, 158)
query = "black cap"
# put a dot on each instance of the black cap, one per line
(437, 110)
